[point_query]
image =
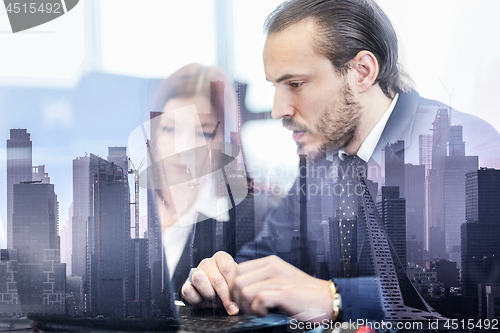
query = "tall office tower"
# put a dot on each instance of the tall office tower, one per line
(414, 252)
(425, 158)
(479, 236)
(392, 210)
(108, 279)
(35, 220)
(138, 270)
(41, 277)
(446, 185)
(118, 156)
(83, 212)
(415, 208)
(245, 219)
(440, 130)
(19, 161)
(40, 175)
(456, 145)
(241, 94)
(425, 150)
(456, 167)
(435, 185)
(138, 279)
(235, 184)
(245, 210)
(154, 228)
(394, 165)
(482, 196)
(66, 233)
(335, 266)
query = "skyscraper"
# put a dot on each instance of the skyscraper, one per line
(41, 277)
(35, 220)
(118, 155)
(435, 181)
(456, 168)
(479, 236)
(19, 161)
(138, 276)
(394, 165)
(392, 210)
(101, 233)
(482, 196)
(415, 207)
(108, 279)
(66, 233)
(154, 228)
(39, 174)
(446, 186)
(83, 213)
(425, 150)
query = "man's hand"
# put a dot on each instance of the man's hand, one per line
(211, 279)
(258, 286)
(270, 282)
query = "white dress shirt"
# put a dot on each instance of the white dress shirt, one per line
(370, 143)
(176, 236)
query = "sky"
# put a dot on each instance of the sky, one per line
(81, 83)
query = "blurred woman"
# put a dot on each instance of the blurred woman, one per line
(189, 163)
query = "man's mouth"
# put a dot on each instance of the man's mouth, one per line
(297, 135)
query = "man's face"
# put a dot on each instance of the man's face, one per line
(311, 98)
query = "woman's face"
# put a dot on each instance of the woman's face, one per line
(186, 123)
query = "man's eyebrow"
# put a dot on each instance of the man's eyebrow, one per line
(285, 77)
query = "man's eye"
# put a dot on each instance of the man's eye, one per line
(295, 84)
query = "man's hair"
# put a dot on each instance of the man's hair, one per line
(344, 28)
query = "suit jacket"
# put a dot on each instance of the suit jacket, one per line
(205, 239)
(200, 245)
(412, 116)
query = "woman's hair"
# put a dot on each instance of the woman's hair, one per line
(193, 80)
(190, 81)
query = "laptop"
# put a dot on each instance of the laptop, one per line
(177, 317)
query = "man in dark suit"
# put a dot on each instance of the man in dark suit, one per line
(338, 87)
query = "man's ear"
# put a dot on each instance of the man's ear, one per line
(365, 67)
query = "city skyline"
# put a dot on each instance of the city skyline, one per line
(448, 166)
(78, 96)
(390, 204)
(51, 102)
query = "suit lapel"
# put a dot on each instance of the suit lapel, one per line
(400, 123)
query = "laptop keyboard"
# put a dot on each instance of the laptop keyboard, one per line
(240, 323)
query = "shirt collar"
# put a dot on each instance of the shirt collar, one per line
(368, 146)
(208, 204)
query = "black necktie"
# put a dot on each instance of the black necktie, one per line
(349, 190)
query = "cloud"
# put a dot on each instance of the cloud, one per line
(57, 113)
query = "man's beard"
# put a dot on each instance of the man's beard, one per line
(337, 125)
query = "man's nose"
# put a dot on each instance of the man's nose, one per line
(282, 108)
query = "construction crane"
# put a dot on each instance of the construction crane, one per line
(135, 171)
(450, 95)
